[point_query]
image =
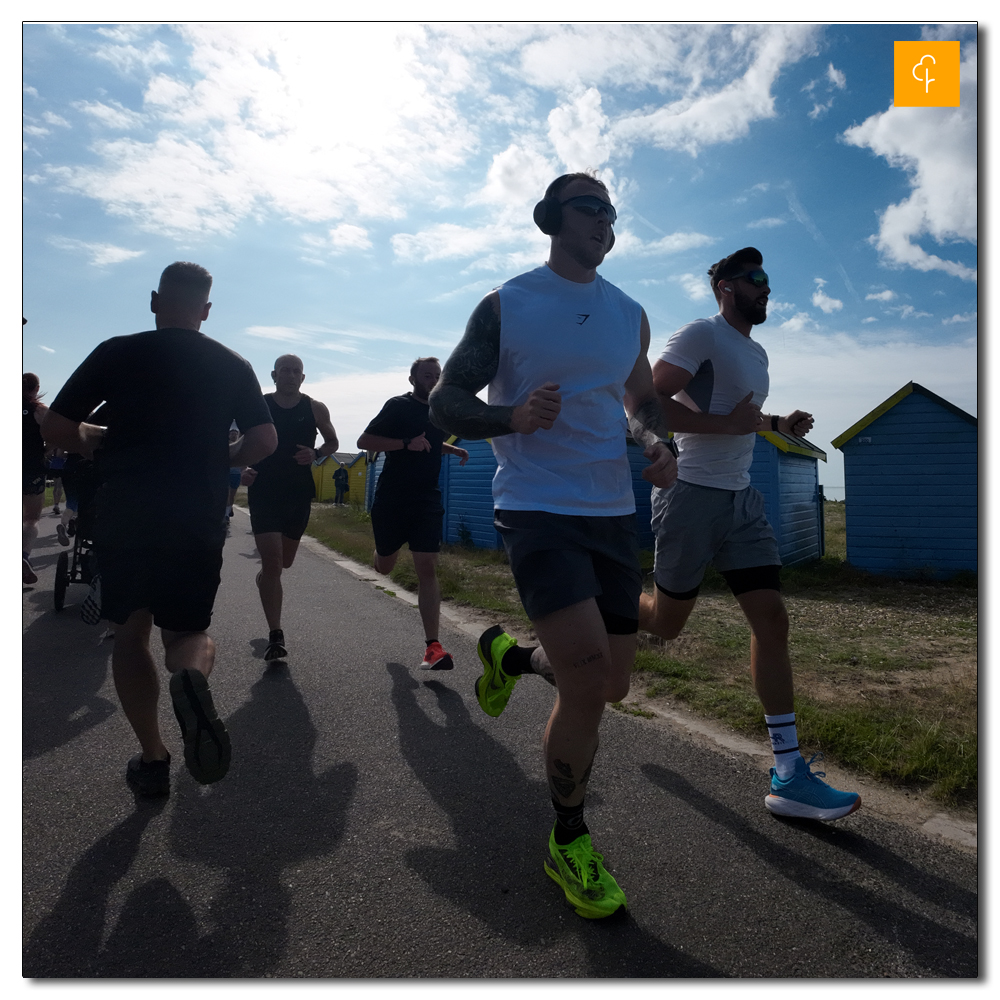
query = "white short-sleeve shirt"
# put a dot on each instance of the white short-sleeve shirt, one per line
(725, 366)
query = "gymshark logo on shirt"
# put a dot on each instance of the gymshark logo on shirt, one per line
(582, 318)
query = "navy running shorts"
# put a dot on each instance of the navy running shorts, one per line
(559, 560)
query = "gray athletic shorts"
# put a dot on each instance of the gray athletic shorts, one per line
(698, 525)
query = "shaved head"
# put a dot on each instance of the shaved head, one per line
(187, 283)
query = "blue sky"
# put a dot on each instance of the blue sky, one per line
(355, 189)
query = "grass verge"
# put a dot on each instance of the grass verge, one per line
(886, 676)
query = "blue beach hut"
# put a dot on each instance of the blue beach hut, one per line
(911, 478)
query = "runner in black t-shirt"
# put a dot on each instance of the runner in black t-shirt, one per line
(407, 506)
(171, 395)
(281, 487)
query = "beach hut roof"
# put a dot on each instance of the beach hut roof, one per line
(895, 398)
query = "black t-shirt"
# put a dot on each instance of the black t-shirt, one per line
(279, 473)
(406, 417)
(171, 396)
(32, 445)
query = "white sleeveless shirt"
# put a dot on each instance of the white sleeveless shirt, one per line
(585, 337)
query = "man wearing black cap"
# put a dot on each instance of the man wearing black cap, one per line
(712, 380)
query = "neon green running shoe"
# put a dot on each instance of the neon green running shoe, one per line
(588, 886)
(494, 688)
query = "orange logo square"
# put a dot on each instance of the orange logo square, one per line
(926, 74)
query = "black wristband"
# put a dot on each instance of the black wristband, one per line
(406, 443)
(774, 422)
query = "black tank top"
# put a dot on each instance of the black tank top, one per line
(295, 427)
(32, 444)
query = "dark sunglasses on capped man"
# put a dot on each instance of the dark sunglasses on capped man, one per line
(590, 204)
(757, 278)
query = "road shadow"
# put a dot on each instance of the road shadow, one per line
(934, 947)
(271, 812)
(500, 820)
(927, 885)
(67, 942)
(64, 664)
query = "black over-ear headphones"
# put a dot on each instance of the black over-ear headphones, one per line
(548, 218)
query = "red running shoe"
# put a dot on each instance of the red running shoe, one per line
(436, 658)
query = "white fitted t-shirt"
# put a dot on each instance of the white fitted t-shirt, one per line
(725, 366)
(585, 337)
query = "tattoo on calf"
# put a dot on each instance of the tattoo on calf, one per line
(564, 769)
(589, 659)
(562, 786)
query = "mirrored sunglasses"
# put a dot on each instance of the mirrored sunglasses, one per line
(757, 278)
(590, 204)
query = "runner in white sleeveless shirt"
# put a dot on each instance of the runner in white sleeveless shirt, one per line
(564, 355)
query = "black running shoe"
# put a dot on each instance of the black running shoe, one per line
(206, 742)
(150, 779)
(275, 645)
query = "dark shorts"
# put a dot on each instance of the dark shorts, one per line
(234, 478)
(413, 519)
(559, 560)
(177, 585)
(33, 482)
(284, 511)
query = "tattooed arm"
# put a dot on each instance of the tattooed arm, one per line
(646, 420)
(473, 364)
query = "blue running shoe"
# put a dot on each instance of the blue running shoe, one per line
(804, 795)
(493, 689)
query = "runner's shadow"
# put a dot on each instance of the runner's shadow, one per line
(269, 813)
(67, 942)
(927, 885)
(939, 949)
(500, 821)
(63, 667)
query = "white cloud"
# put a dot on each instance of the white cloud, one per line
(270, 121)
(48, 350)
(823, 301)
(908, 312)
(961, 318)
(798, 323)
(937, 149)
(286, 334)
(516, 177)
(101, 254)
(870, 319)
(820, 109)
(768, 223)
(886, 296)
(836, 77)
(709, 110)
(628, 244)
(54, 119)
(694, 286)
(578, 132)
(340, 239)
(112, 115)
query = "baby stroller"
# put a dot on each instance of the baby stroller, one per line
(78, 565)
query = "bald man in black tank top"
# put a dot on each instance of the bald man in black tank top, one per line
(281, 488)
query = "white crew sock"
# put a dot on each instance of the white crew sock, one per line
(784, 742)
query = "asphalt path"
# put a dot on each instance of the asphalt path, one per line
(375, 823)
